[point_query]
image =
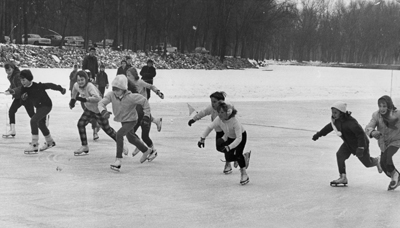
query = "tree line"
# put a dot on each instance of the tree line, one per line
(361, 31)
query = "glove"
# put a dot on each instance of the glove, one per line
(10, 91)
(81, 99)
(200, 143)
(226, 149)
(24, 96)
(106, 114)
(360, 152)
(146, 121)
(191, 122)
(220, 142)
(376, 134)
(316, 136)
(161, 95)
(63, 91)
(7, 92)
(72, 103)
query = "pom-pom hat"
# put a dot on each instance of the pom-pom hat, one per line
(341, 106)
(120, 81)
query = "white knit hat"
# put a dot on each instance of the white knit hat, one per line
(341, 106)
(120, 81)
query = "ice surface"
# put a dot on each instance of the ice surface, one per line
(184, 186)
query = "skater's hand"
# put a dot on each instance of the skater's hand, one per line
(106, 114)
(191, 122)
(360, 152)
(146, 121)
(376, 134)
(63, 91)
(200, 143)
(220, 142)
(7, 92)
(24, 96)
(161, 95)
(226, 149)
(81, 99)
(316, 136)
(72, 103)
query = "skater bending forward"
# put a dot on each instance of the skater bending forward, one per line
(36, 93)
(233, 142)
(355, 141)
(124, 108)
(385, 127)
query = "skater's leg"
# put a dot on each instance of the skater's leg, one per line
(367, 160)
(139, 110)
(146, 134)
(388, 156)
(126, 127)
(29, 108)
(105, 125)
(102, 89)
(82, 122)
(239, 151)
(134, 139)
(43, 112)
(15, 105)
(341, 156)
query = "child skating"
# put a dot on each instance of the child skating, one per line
(124, 108)
(89, 96)
(233, 142)
(36, 93)
(355, 141)
(385, 127)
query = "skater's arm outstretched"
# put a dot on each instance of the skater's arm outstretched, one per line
(151, 87)
(323, 132)
(104, 102)
(53, 87)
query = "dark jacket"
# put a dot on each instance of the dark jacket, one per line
(148, 73)
(102, 79)
(15, 83)
(90, 63)
(353, 134)
(122, 70)
(38, 95)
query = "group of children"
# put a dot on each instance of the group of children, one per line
(384, 126)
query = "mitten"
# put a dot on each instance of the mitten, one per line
(220, 141)
(24, 96)
(146, 121)
(81, 99)
(191, 122)
(106, 114)
(161, 95)
(316, 136)
(10, 91)
(63, 91)
(200, 143)
(72, 103)
(360, 152)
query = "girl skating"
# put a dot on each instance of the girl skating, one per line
(36, 93)
(233, 142)
(124, 108)
(385, 127)
(355, 141)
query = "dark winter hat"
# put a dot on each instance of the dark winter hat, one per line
(219, 95)
(27, 74)
(150, 61)
(123, 61)
(388, 102)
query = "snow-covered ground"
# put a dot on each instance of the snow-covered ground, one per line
(184, 186)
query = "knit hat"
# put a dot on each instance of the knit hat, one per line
(120, 81)
(27, 74)
(341, 106)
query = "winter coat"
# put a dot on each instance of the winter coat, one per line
(38, 95)
(102, 79)
(15, 83)
(390, 136)
(353, 134)
(205, 112)
(73, 77)
(91, 93)
(141, 87)
(148, 73)
(122, 70)
(90, 63)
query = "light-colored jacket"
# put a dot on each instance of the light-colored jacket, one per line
(142, 86)
(124, 107)
(205, 112)
(389, 137)
(90, 92)
(231, 128)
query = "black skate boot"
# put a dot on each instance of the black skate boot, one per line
(341, 182)
(394, 183)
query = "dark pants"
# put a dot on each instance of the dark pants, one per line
(235, 154)
(387, 160)
(218, 135)
(127, 130)
(344, 153)
(88, 116)
(148, 90)
(16, 104)
(38, 121)
(145, 128)
(102, 89)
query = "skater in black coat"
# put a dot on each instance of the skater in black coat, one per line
(148, 72)
(355, 141)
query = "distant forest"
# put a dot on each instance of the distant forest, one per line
(313, 30)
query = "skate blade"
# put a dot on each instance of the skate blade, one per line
(245, 182)
(115, 168)
(228, 171)
(338, 185)
(85, 153)
(151, 158)
(8, 136)
(30, 152)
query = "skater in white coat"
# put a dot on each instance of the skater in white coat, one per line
(385, 127)
(233, 141)
(355, 141)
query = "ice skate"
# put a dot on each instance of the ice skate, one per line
(136, 151)
(47, 146)
(227, 168)
(126, 149)
(116, 166)
(341, 182)
(158, 123)
(394, 183)
(32, 149)
(145, 155)
(244, 178)
(152, 155)
(83, 150)
(378, 164)
(95, 135)
(235, 164)
(247, 158)
(11, 133)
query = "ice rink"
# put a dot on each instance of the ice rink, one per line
(184, 186)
